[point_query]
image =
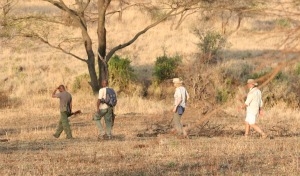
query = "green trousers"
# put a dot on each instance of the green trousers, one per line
(107, 114)
(177, 123)
(63, 125)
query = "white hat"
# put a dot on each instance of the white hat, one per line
(177, 81)
(252, 81)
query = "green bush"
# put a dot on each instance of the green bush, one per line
(222, 95)
(297, 69)
(237, 71)
(283, 23)
(211, 43)
(81, 83)
(120, 72)
(166, 67)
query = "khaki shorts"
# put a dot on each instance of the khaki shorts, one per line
(250, 118)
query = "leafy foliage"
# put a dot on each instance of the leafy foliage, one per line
(283, 23)
(120, 71)
(165, 67)
(297, 71)
(211, 43)
(80, 83)
(222, 95)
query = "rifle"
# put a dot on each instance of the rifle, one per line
(75, 113)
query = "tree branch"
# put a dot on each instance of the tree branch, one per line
(121, 46)
(35, 35)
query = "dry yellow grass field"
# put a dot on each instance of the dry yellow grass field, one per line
(28, 115)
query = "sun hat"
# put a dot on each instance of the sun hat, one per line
(252, 81)
(177, 81)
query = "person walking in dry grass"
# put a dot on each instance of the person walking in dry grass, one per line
(65, 100)
(103, 110)
(253, 104)
(180, 97)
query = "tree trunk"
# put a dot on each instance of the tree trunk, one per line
(90, 61)
(92, 72)
(102, 61)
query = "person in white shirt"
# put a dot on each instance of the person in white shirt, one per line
(180, 97)
(105, 111)
(253, 105)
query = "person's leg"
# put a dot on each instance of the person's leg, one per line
(247, 129)
(177, 123)
(108, 121)
(250, 119)
(97, 117)
(59, 128)
(256, 128)
(66, 125)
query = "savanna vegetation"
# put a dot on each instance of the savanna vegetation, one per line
(215, 46)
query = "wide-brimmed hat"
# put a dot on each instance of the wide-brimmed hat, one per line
(177, 81)
(252, 81)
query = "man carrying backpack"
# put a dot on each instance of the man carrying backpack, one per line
(105, 109)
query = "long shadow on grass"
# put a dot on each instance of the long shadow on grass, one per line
(14, 146)
(13, 131)
(204, 164)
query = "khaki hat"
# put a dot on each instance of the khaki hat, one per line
(177, 81)
(252, 81)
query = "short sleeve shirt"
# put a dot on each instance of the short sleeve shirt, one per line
(102, 94)
(254, 101)
(180, 92)
(65, 99)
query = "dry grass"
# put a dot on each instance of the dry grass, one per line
(28, 114)
(31, 149)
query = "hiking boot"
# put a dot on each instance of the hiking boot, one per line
(54, 135)
(103, 137)
(100, 137)
(106, 137)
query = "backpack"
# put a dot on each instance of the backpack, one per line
(111, 97)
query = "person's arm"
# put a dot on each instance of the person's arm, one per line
(187, 95)
(98, 104)
(244, 106)
(248, 101)
(100, 96)
(71, 106)
(261, 106)
(178, 100)
(54, 93)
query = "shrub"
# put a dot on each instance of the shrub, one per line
(81, 83)
(222, 95)
(297, 69)
(211, 43)
(283, 23)
(236, 71)
(120, 72)
(166, 68)
(3, 99)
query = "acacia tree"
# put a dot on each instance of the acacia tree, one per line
(81, 12)
(78, 14)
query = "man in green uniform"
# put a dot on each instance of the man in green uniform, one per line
(65, 104)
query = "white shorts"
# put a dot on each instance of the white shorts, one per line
(250, 118)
